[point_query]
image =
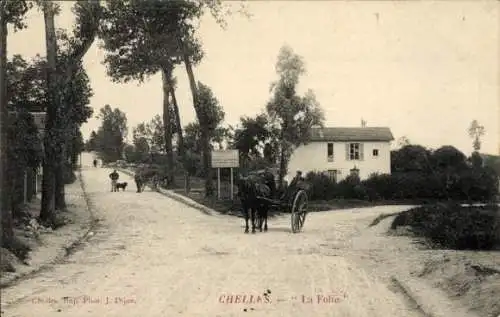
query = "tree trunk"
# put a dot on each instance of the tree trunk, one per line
(75, 148)
(7, 232)
(282, 163)
(70, 148)
(166, 73)
(60, 82)
(51, 140)
(61, 175)
(30, 183)
(205, 137)
(181, 150)
(60, 180)
(180, 136)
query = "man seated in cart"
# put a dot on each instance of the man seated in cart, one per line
(292, 188)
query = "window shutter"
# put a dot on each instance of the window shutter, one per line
(361, 152)
(347, 152)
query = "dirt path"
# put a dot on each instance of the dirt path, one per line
(153, 256)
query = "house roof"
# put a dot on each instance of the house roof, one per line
(351, 134)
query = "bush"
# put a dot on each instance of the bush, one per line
(471, 184)
(477, 184)
(351, 187)
(455, 227)
(380, 186)
(322, 187)
(417, 185)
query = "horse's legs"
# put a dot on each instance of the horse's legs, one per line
(253, 219)
(265, 211)
(245, 213)
(260, 217)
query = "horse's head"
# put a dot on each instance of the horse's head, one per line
(242, 185)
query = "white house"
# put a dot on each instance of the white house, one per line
(341, 151)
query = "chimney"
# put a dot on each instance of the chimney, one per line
(363, 123)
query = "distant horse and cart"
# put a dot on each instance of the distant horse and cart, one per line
(258, 195)
(151, 176)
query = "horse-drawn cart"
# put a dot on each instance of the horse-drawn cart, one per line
(294, 202)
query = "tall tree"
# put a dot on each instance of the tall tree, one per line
(292, 114)
(91, 143)
(212, 115)
(59, 78)
(77, 111)
(166, 73)
(142, 131)
(139, 42)
(11, 12)
(143, 37)
(111, 134)
(252, 135)
(476, 131)
(213, 112)
(184, 34)
(153, 132)
(141, 148)
(205, 141)
(74, 111)
(176, 124)
(52, 134)
(74, 48)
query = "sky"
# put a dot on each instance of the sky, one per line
(425, 69)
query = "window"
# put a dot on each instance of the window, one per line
(354, 151)
(375, 152)
(329, 152)
(333, 175)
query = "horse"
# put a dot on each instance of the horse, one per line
(250, 188)
(147, 176)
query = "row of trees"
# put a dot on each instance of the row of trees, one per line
(143, 38)
(57, 85)
(140, 38)
(284, 124)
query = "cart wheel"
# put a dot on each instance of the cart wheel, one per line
(299, 211)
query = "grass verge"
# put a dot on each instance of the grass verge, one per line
(451, 226)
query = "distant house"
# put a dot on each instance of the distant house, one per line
(339, 152)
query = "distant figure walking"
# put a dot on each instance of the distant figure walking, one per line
(114, 178)
(139, 181)
(95, 163)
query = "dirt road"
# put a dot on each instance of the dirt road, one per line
(153, 256)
